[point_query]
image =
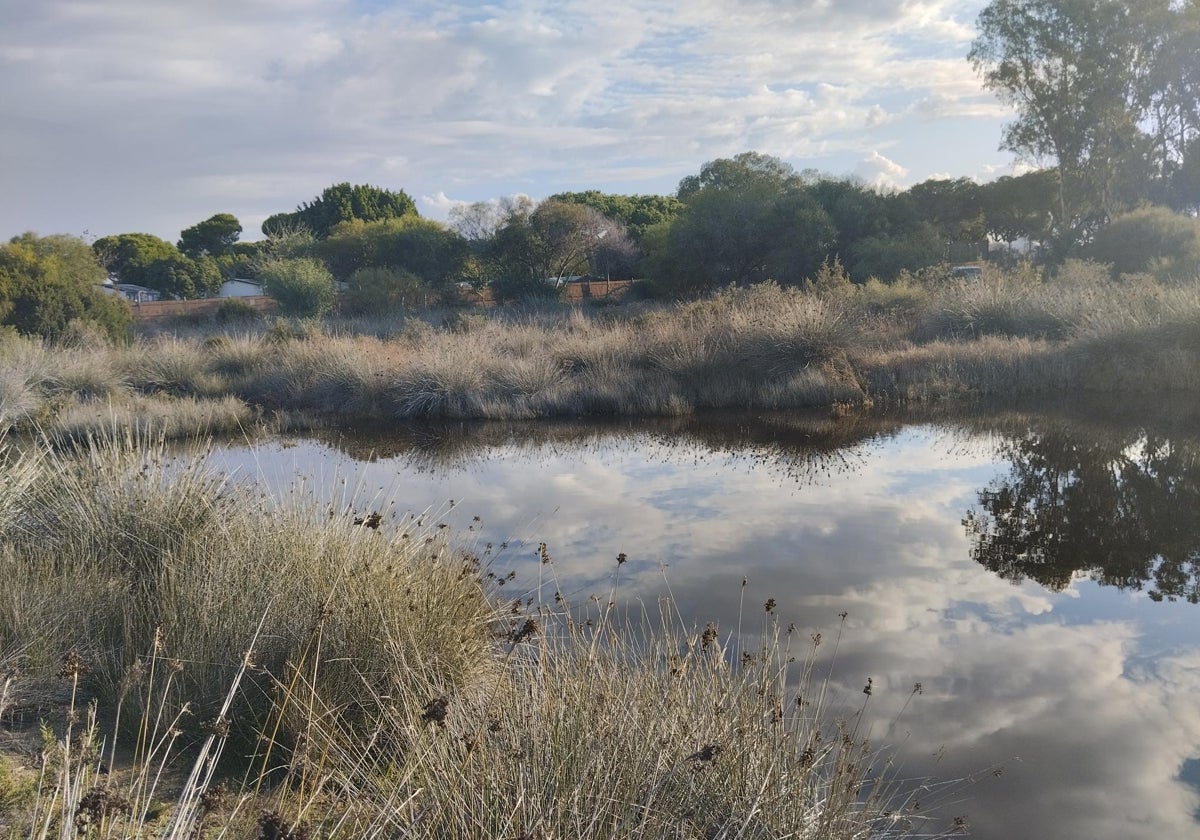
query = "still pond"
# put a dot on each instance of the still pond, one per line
(1034, 569)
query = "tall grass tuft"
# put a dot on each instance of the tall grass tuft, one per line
(120, 550)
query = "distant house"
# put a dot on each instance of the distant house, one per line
(135, 293)
(239, 287)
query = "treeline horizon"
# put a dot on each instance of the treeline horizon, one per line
(1107, 94)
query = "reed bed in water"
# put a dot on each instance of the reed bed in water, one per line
(294, 669)
(768, 347)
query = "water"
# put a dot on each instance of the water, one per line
(1033, 571)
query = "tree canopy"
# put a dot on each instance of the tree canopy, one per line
(146, 260)
(744, 219)
(130, 255)
(636, 213)
(48, 282)
(422, 247)
(342, 203)
(211, 238)
(1108, 92)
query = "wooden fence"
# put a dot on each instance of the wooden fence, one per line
(157, 310)
(571, 292)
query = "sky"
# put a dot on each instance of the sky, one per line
(152, 115)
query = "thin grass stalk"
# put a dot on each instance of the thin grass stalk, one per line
(183, 819)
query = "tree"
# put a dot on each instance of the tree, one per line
(130, 255)
(479, 221)
(213, 237)
(145, 260)
(1085, 76)
(48, 282)
(953, 206)
(881, 234)
(744, 220)
(342, 203)
(1022, 206)
(183, 278)
(303, 286)
(738, 174)
(635, 213)
(423, 247)
(537, 247)
(918, 245)
(1172, 92)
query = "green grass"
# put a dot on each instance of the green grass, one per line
(249, 667)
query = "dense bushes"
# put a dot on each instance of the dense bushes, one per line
(1150, 239)
(46, 283)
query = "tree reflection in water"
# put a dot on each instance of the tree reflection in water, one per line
(1120, 507)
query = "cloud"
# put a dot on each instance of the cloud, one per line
(881, 172)
(127, 114)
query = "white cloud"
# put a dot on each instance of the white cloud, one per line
(881, 172)
(126, 114)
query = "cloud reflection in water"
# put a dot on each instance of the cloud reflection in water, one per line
(1086, 703)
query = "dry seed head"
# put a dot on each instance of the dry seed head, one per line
(435, 711)
(529, 628)
(706, 753)
(72, 665)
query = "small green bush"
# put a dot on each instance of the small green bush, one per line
(235, 310)
(303, 286)
(903, 296)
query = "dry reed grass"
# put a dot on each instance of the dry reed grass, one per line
(759, 347)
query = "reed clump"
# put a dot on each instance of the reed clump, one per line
(116, 551)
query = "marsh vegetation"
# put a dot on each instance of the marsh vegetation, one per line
(920, 339)
(203, 660)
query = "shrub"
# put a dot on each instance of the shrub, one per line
(48, 282)
(236, 309)
(903, 296)
(1150, 238)
(303, 286)
(384, 288)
